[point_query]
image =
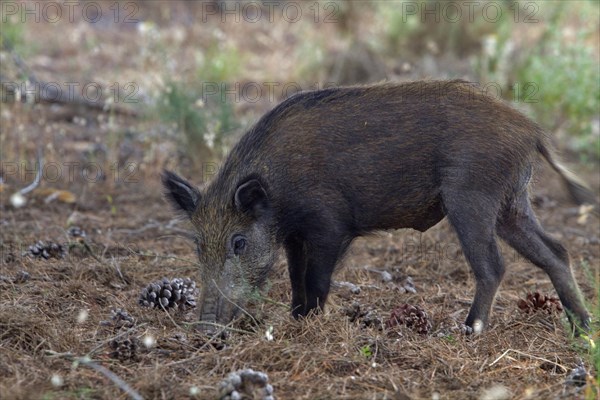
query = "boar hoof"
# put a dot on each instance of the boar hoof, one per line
(466, 329)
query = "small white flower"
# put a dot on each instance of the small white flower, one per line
(56, 380)
(194, 391)
(209, 138)
(490, 45)
(149, 341)
(269, 333)
(82, 316)
(145, 27)
(18, 200)
(86, 359)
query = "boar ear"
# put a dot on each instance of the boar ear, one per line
(179, 192)
(251, 197)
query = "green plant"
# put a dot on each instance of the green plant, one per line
(203, 120)
(85, 393)
(11, 33)
(398, 27)
(594, 339)
(366, 351)
(450, 338)
(557, 79)
(220, 64)
(567, 78)
(111, 203)
(590, 348)
(310, 57)
(180, 106)
(439, 27)
(564, 69)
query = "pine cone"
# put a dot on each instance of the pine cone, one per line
(372, 319)
(177, 293)
(578, 376)
(124, 349)
(537, 301)
(76, 233)
(412, 316)
(46, 250)
(10, 257)
(246, 384)
(21, 277)
(367, 317)
(353, 312)
(119, 318)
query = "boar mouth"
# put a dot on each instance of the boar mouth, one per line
(210, 309)
(216, 310)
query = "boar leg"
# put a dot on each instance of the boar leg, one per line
(296, 255)
(519, 227)
(311, 264)
(473, 215)
(321, 264)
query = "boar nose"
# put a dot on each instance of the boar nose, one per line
(215, 310)
(209, 310)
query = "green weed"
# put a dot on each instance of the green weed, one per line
(11, 33)
(590, 348)
(220, 64)
(558, 78)
(366, 351)
(204, 121)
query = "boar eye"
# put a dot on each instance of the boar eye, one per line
(239, 244)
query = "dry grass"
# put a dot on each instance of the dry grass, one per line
(326, 356)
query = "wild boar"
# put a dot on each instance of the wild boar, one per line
(327, 166)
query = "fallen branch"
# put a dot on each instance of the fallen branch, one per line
(54, 95)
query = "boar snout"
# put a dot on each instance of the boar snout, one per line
(216, 309)
(209, 308)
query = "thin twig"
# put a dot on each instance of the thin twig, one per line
(209, 341)
(234, 303)
(277, 303)
(91, 252)
(155, 224)
(113, 377)
(169, 315)
(223, 327)
(38, 175)
(99, 368)
(156, 255)
(136, 231)
(527, 355)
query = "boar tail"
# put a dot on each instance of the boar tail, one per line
(580, 192)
